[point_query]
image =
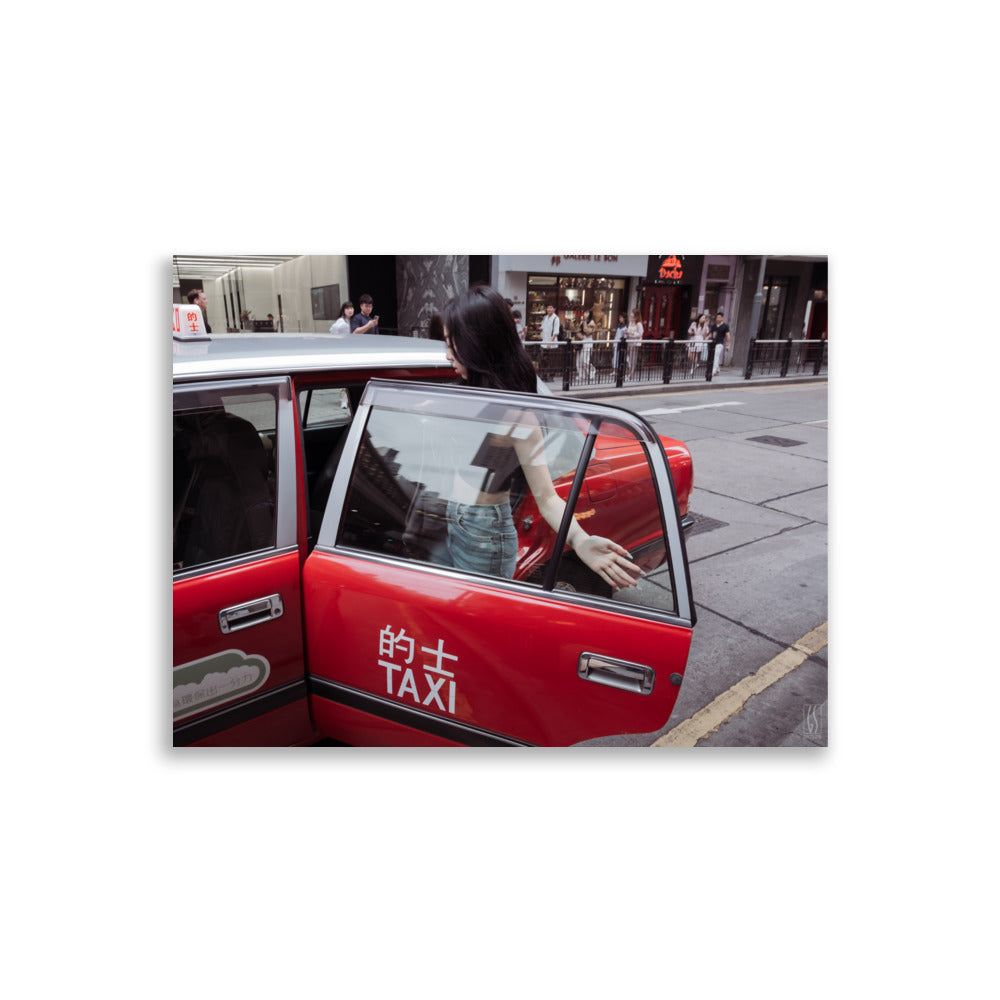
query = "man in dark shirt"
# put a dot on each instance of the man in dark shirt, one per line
(197, 298)
(720, 334)
(364, 321)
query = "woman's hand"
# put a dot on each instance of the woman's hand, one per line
(608, 560)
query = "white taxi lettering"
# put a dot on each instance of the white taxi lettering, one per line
(388, 644)
(408, 685)
(400, 648)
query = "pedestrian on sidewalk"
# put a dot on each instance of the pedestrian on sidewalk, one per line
(550, 340)
(719, 332)
(620, 335)
(697, 341)
(635, 334)
(585, 335)
(342, 324)
(197, 298)
(364, 321)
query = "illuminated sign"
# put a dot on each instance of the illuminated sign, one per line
(672, 268)
(189, 323)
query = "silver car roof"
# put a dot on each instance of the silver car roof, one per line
(229, 354)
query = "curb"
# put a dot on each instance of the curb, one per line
(648, 388)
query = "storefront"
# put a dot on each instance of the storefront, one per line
(604, 283)
(669, 301)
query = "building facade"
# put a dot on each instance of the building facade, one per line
(781, 296)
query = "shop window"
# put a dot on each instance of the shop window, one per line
(572, 296)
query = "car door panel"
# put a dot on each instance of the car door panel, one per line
(239, 655)
(480, 661)
(408, 652)
(210, 696)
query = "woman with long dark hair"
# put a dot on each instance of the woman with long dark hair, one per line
(486, 352)
(480, 330)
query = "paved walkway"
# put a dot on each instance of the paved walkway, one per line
(727, 378)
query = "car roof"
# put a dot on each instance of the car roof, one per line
(230, 354)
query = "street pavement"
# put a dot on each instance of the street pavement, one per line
(757, 673)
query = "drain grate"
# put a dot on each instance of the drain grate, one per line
(780, 442)
(703, 524)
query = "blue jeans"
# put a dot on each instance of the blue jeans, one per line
(482, 538)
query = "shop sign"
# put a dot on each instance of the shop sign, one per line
(671, 269)
(560, 263)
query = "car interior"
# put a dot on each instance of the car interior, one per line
(223, 487)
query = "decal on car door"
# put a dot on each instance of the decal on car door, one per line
(217, 679)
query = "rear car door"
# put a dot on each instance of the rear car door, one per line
(406, 648)
(239, 673)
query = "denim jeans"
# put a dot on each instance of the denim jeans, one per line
(482, 538)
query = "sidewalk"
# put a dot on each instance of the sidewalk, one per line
(728, 378)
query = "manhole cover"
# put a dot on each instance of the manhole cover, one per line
(703, 524)
(780, 442)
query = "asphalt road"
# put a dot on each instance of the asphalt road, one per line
(757, 673)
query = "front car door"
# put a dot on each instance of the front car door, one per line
(406, 648)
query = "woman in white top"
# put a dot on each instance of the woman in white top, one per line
(585, 335)
(343, 323)
(635, 332)
(697, 340)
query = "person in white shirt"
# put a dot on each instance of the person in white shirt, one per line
(550, 339)
(343, 323)
(635, 334)
(550, 326)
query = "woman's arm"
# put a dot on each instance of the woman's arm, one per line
(608, 559)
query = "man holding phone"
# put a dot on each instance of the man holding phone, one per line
(364, 321)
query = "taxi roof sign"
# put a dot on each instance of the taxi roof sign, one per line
(189, 324)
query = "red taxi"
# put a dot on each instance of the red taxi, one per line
(308, 609)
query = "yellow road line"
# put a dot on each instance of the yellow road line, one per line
(706, 721)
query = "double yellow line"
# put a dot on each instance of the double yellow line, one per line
(706, 721)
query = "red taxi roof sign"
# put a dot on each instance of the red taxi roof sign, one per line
(189, 324)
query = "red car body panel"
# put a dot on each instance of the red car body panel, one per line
(197, 602)
(617, 479)
(513, 657)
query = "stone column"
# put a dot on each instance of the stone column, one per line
(424, 285)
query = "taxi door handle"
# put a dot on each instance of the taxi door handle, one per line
(621, 674)
(264, 609)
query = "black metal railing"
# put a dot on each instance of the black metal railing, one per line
(575, 364)
(785, 357)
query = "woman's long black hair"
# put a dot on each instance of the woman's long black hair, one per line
(484, 338)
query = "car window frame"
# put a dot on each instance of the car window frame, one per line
(286, 525)
(684, 613)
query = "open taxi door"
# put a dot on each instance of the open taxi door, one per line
(406, 648)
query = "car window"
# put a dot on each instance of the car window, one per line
(224, 445)
(448, 484)
(324, 407)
